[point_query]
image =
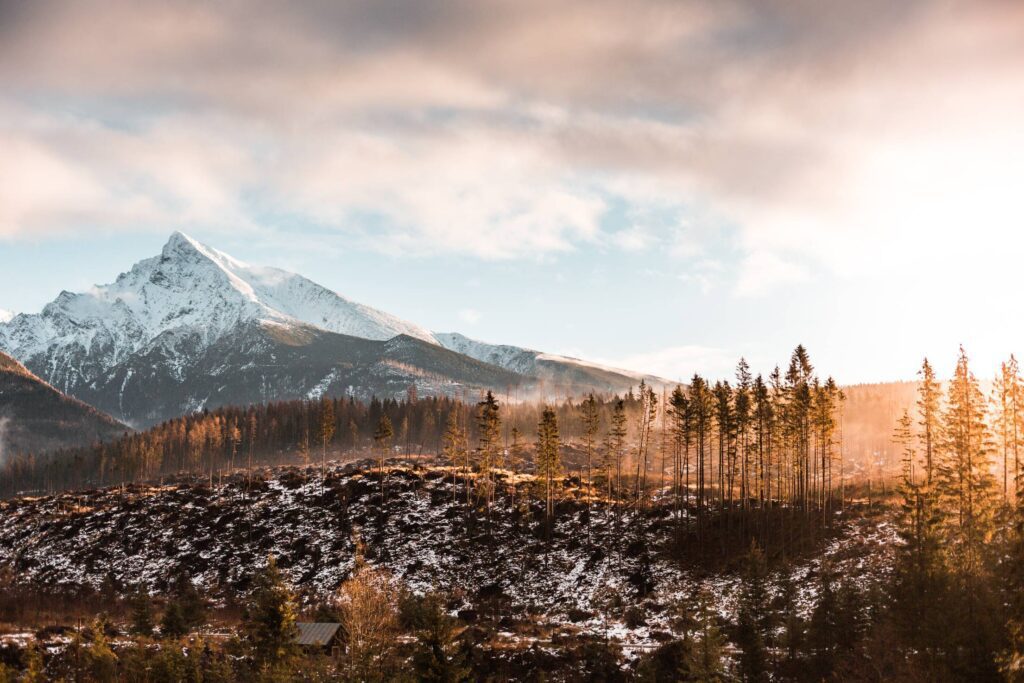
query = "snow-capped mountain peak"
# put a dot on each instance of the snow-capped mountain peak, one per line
(188, 290)
(193, 327)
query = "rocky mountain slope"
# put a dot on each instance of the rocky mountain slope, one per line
(263, 361)
(151, 344)
(592, 572)
(36, 417)
(560, 374)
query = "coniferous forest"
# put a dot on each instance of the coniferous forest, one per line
(742, 479)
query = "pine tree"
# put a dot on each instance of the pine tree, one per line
(616, 442)
(1011, 659)
(928, 399)
(724, 423)
(681, 435)
(382, 441)
(326, 432)
(141, 613)
(489, 442)
(707, 664)
(1008, 419)
(269, 621)
(591, 425)
(35, 665)
(548, 455)
(453, 446)
(436, 657)
(966, 484)
(515, 459)
(741, 417)
(172, 624)
(100, 660)
(823, 634)
(754, 625)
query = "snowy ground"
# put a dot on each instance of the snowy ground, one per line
(495, 566)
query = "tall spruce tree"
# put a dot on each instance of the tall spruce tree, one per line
(755, 619)
(488, 422)
(929, 416)
(269, 622)
(326, 432)
(382, 437)
(548, 455)
(966, 485)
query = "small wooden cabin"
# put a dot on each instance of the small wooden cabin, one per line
(323, 637)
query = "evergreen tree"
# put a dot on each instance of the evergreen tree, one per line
(681, 435)
(100, 661)
(754, 626)
(707, 664)
(453, 447)
(436, 657)
(141, 613)
(35, 665)
(327, 428)
(382, 441)
(515, 459)
(548, 455)
(488, 421)
(269, 621)
(966, 484)
(172, 624)
(591, 425)
(823, 634)
(928, 399)
(616, 442)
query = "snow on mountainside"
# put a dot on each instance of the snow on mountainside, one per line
(188, 291)
(556, 369)
(190, 285)
(6, 316)
(167, 336)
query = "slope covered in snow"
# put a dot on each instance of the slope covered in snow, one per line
(5, 315)
(561, 373)
(587, 568)
(195, 287)
(179, 304)
(173, 322)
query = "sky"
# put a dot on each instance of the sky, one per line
(659, 185)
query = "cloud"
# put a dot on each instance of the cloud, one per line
(635, 238)
(680, 362)
(806, 134)
(762, 272)
(470, 316)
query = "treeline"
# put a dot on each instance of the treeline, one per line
(231, 438)
(957, 602)
(755, 459)
(756, 442)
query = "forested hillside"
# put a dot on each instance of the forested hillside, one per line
(36, 418)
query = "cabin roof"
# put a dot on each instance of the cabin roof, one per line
(316, 633)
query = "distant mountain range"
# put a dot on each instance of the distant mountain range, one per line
(36, 417)
(194, 328)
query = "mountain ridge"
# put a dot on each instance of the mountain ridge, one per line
(162, 318)
(35, 417)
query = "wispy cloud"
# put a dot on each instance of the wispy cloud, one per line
(470, 316)
(804, 133)
(679, 363)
